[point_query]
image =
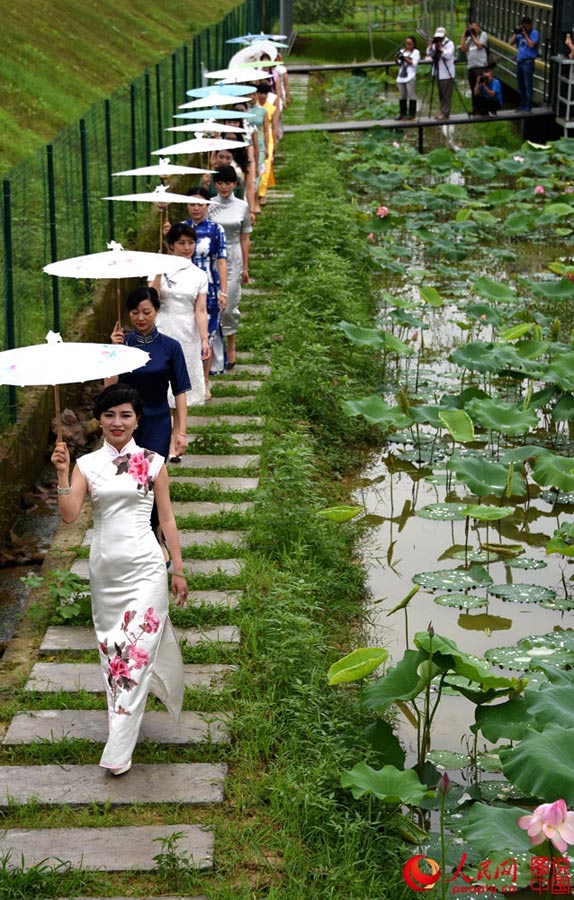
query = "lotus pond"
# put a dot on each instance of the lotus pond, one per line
(471, 503)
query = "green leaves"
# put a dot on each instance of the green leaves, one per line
(340, 513)
(357, 665)
(377, 412)
(527, 765)
(458, 424)
(387, 784)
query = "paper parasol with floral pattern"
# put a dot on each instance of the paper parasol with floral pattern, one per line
(57, 362)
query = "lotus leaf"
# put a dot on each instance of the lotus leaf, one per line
(401, 683)
(484, 219)
(440, 160)
(499, 197)
(506, 418)
(482, 356)
(459, 401)
(540, 398)
(522, 593)
(564, 604)
(483, 311)
(452, 191)
(387, 784)
(557, 210)
(448, 759)
(554, 290)
(531, 349)
(431, 296)
(461, 601)
(424, 413)
(446, 653)
(364, 337)
(340, 513)
(463, 215)
(485, 478)
(551, 470)
(561, 371)
(508, 721)
(402, 317)
(357, 665)
(442, 512)
(557, 498)
(453, 579)
(553, 649)
(516, 332)
(482, 169)
(377, 412)
(562, 541)
(527, 451)
(484, 513)
(519, 223)
(562, 232)
(511, 166)
(551, 703)
(491, 791)
(526, 765)
(484, 622)
(479, 556)
(458, 424)
(491, 830)
(526, 562)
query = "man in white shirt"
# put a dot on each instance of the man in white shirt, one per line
(441, 52)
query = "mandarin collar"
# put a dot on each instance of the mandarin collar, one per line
(130, 447)
(146, 338)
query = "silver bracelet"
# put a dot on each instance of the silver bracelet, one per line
(61, 490)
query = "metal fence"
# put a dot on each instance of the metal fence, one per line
(51, 205)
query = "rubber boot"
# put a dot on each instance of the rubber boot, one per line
(412, 109)
(402, 109)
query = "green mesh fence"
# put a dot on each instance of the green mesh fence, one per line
(51, 206)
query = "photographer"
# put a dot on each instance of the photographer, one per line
(441, 52)
(487, 94)
(407, 61)
(526, 39)
(474, 43)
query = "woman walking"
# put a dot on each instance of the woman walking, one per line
(138, 648)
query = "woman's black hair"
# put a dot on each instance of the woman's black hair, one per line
(199, 191)
(180, 229)
(114, 395)
(263, 87)
(239, 154)
(411, 37)
(140, 293)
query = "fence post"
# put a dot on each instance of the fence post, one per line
(108, 118)
(9, 289)
(185, 75)
(85, 185)
(53, 235)
(147, 98)
(160, 139)
(173, 82)
(133, 138)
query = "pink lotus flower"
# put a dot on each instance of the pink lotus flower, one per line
(151, 621)
(550, 820)
(396, 144)
(569, 189)
(139, 468)
(382, 212)
(119, 668)
(539, 189)
(139, 657)
(371, 237)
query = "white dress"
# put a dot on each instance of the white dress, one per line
(176, 318)
(138, 648)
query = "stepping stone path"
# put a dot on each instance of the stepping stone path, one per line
(185, 784)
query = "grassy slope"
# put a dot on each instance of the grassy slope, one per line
(59, 57)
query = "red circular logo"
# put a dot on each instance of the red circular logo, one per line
(418, 880)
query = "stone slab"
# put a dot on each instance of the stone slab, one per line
(92, 725)
(244, 439)
(109, 849)
(249, 369)
(223, 484)
(215, 421)
(189, 784)
(74, 637)
(191, 567)
(53, 677)
(220, 461)
(227, 599)
(247, 290)
(237, 385)
(198, 508)
(218, 401)
(208, 538)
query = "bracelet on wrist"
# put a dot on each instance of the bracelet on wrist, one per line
(63, 490)
(178, 574)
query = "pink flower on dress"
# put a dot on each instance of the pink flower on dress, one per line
(119, 668)
(382, 212)
(139, 657)
(151, 621)
(550, 820)
(539, 190)
(139, 468)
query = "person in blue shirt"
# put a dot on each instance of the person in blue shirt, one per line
(487, 94)
(526, 39)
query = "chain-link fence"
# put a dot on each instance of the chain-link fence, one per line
(51, 202)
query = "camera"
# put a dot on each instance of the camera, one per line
(468, 32)
(399, 56)
(437, 40)
(519, 30)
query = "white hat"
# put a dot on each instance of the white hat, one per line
(440, 32)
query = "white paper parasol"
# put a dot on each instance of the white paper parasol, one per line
(161, 194)
(214, 113)
(212, 99)
(112, 263)
(250, 38)
(201, 145)
(56, 362)
(211, 125)
(163, 169)
(234, 90)
(248, 70)
(253, 53)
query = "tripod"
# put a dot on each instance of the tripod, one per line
(433, 75)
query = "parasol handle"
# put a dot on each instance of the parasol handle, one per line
(59, 438)
(160, 229)
(119, 300)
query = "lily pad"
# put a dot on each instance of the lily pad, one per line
(479, 556)
(453, 579)
(484, 622)
(499, 790)
(484, 477)
(484, 513)
(522, 593)
(555, 649)
(449, 759)
(526, 765)
(506, 418)
(526, 562)
(442, 512)
(461, 601)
